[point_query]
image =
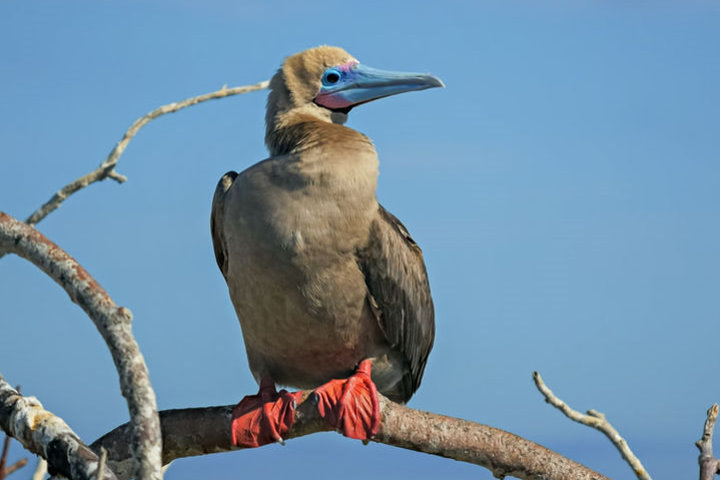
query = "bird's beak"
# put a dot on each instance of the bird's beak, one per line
(357, 84)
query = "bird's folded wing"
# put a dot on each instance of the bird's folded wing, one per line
(397, 282)
(216, 220)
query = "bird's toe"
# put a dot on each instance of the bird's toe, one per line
(263, 418)
(351, 405)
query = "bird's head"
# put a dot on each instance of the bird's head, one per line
(327, 82)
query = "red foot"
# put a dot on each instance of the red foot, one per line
(263, 418)
(351, 405)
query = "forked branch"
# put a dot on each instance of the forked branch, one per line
(112, 322)
(597, 421)
(107, 168)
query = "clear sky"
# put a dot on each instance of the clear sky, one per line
(565, 188)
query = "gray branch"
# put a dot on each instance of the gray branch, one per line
(42, 433)
(201, 431)
(113, 323)
(709, 465)
(597, 421)
(107, 167)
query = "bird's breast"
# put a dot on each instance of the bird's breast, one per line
(295, 282)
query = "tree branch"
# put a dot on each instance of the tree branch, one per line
(107, 167)
(597, 421)
(6, 471)
(41, 470)
(709, 465)
(113, 323)
(201, 431)
(44, 434)
(3, 457)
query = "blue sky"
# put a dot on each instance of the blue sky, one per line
(565, 188)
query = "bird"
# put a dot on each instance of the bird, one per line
(330, 289)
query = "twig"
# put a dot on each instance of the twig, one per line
(597, 421)
(709, 465)
(101, 466)
(44, 434)
(40, 470)
(107, 167)
(5, 472)
(3, 457)
(113, 323)
(201, 431)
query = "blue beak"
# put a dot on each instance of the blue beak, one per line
(352, 84)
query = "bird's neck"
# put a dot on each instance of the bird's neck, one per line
(338, 161)
(295, 131)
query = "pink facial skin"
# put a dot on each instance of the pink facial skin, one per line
(327, 100)
(346, 67)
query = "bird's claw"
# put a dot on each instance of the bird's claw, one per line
(263, 418)
(351, 405)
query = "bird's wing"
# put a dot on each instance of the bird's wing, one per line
(397, 282)
(216, 220)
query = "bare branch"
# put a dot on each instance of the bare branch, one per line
(709, 465)
(107, 167)
(113, 323)
(597, 421)
(3, 457)
(103, 462)
(13, 468)
(201, 431)
(42, 433)
(40, 469)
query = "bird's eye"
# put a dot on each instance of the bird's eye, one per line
(331, 77)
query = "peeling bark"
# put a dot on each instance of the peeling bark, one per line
(42, 433)
(113, 323)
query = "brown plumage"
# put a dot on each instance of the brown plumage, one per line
(321, 275)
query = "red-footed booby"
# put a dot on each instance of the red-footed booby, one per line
(330, 289)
